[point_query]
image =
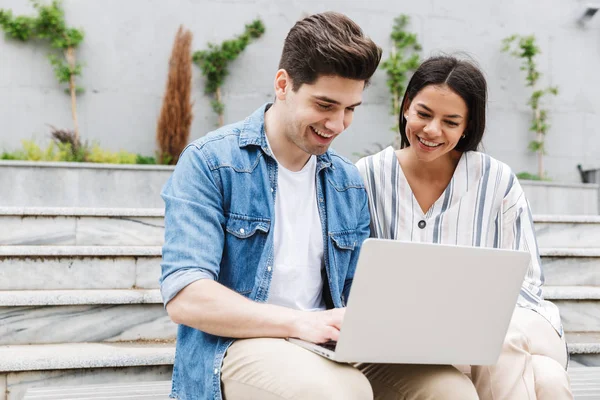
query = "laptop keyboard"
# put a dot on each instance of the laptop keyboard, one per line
(329, 345)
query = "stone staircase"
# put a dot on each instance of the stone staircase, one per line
(570, 249)
(79, 299)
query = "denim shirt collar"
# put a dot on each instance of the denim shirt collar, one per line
(253, 134)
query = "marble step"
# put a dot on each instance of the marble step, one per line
(585, 383)
(584, 348)
(79, 267)
(81, 226)
(129, 391)
(579, 231)
(145, 227)
(52, 365)
(571, 266)
(579, 307)
(24, 368)
(125, 267)
(71, 316)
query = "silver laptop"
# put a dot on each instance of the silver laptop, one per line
(417, 303)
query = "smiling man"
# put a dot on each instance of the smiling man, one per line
(263, 226)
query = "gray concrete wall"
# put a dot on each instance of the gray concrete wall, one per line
(128, 44)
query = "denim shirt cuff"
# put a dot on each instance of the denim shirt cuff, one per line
(175, 282)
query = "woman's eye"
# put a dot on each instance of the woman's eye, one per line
(452, 123)
(422, 114)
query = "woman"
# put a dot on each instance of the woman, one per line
(437, 188)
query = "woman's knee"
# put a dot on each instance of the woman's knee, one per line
(551, 379)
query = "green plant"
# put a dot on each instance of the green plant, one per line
(62, 151)
(525, 48)
(403, 60)
(49, 25)
(214, 62)
(531, 177)
(140, 159)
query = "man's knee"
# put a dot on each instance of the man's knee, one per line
(283, 370)
(339, 384)
(451, 384)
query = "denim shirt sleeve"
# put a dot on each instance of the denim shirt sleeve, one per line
(363, 231)
(194, 221)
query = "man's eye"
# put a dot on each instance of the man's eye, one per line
(324, 106)
(351, 109)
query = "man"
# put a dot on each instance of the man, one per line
(263, 227)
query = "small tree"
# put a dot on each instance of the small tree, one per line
(403, 60)
(49, 25)
(525, 48)
(214, 62)
(173, 130)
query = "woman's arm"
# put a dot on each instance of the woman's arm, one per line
(518, 233)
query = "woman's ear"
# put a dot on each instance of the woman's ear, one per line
(405, 108)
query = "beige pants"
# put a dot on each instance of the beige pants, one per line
(531, 366)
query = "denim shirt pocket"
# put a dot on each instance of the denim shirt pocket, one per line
(245, 238)
(344, 243)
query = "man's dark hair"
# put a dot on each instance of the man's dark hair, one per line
(466, 80)
(328, 44)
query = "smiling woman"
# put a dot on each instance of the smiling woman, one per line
(439, 189)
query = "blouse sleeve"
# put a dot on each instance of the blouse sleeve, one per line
(518, 234)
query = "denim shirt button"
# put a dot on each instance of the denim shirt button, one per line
(269, 268)
(216, 371)
(242, 231)
(272, 190)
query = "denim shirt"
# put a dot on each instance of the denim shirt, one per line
(218, 225)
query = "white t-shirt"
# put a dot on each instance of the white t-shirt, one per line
(297, 281)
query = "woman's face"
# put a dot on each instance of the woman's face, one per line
(436, 118)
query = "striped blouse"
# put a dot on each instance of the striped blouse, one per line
(483, 206)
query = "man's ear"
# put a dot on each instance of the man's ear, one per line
(283, 84)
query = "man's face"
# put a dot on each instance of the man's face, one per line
(317, 113)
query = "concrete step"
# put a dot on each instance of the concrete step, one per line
(584, 348)
(71, 316)
(24, 368)
(571, 266)
(585, 384)
(51, 365)
(145, 227)
(79, 267)
(579, 307)
(126, 267)
(81, 226)
(131, 391)
(579, 231)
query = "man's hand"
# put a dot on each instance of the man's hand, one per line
(319, 326)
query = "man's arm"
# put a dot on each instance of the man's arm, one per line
(208, 306)
(194, 240)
